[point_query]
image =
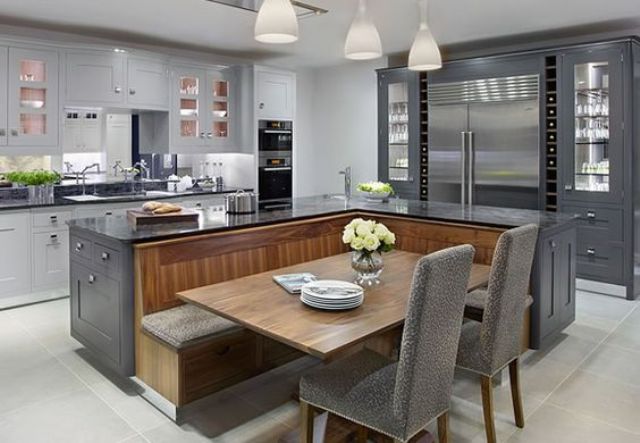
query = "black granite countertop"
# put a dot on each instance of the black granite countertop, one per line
(215, 219)
(16, 200)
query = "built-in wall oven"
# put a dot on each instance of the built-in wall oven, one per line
(275, 173)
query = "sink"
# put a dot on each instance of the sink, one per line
(84, 198)
(121, 194)
(335, 197)
(163, 193)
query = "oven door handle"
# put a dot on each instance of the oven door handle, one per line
(285, 168)
(276, 131)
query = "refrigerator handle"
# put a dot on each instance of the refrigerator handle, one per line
(463, 153)
(470, 158)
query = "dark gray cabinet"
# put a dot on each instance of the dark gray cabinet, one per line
(399, 130)
(553, 285)
(102, 299)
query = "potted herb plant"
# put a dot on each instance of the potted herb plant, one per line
(38, 182)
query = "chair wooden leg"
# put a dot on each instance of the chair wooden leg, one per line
(443, 428)
(516, 395)
(362, 434)
(487, 408)
(306, 414)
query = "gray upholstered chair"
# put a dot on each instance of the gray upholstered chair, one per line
(398, 399)
(488, 346)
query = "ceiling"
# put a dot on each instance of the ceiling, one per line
(203, 25)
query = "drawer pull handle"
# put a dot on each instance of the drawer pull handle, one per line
(54, 237)
(92, 279)
(553, 243)
(108, 213)
(104, 256)
(79, 247)
(591, 214)
(591, 252)
(54, 219)
(223, 351)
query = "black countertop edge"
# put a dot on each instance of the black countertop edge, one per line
(214, 219)
(18, 204)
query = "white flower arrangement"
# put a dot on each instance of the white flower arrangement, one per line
(368, 236)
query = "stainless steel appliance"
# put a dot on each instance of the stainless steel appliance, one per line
(241, 202)
(484, 142)
(275, 169)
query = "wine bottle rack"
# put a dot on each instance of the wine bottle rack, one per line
(424, 138)
(551, 133)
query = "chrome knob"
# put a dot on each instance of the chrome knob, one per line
(117, 89)
(104, 256)
(202, 135)
(209, 135)
(261, 105)
(132, 91)
(14, 132)
(92, 279)
(3, 132)
(79, 247)
(591, 252)
(591, 214)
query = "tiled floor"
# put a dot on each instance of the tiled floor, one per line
(585, 388)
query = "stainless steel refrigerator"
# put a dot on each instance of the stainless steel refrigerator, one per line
(484, 142)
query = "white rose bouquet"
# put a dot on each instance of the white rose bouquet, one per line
(368, 236)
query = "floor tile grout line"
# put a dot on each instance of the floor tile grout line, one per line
(80, 379)
(580, 363)
(590, 417)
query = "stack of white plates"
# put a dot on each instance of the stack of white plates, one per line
(332, 295)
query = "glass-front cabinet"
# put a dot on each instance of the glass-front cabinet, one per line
(398, 127)
(32, 97)
(593, 85)
(204, 104)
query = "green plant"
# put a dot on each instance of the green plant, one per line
(376, 188)
(34, 178)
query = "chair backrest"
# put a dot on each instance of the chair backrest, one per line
(431, 335)
(508, 288)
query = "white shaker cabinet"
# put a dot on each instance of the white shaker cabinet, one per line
(275, 94)
(147, 83)
(4, 60)
(50, 259)
(95, 78)
(15, 257)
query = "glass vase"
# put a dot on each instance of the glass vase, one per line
(368, 267)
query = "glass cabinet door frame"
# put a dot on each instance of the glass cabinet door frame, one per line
(210, 119)
(409, 188)
(613, 56)
(17, 106)
(200, 75)
(4, 88)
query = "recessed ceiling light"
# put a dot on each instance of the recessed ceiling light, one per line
(120, 50)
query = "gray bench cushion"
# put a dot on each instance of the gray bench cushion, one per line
(185, 325)
(478, 299)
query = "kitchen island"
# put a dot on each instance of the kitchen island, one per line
(120, 274)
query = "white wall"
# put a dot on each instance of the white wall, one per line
(336, 124)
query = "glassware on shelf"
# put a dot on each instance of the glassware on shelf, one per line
(189, 86)
(33, 71)
(33, 124)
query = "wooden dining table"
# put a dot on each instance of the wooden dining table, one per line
(258, 303)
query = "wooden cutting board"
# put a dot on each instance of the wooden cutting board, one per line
(141, 218)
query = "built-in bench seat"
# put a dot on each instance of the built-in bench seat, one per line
(186, 325)
(476, 303)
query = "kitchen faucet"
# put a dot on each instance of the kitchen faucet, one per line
(117, 167)
(144, 173)
(347, 182)
(84, 175)
(69, 167)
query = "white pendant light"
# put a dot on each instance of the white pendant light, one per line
(363, 41)
(276, 22)
(425, 54)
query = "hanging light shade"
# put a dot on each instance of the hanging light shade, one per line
(424, 54)
(363, 41)
(276, 22)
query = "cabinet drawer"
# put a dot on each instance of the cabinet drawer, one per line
(603, 223)
(600, 260)
(51, 220)
(215, 365)
(106, 258)
(81, 248)
(95, 310)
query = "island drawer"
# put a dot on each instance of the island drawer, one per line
(603, 223)
(106, 259)
(214, 365)
(600, 260)
(81, 248)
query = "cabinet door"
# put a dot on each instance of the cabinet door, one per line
(4, 60)
(398, 127)
(220, 115)
(33, 97)
(50, 259)
(15, 274)
(95, 310)
(95, 78)
(566, 273)
(188, 105)
(275, 95)
(148, 83)
(593, 138)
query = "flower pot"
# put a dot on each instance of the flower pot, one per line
(41, 194)
(368, 267)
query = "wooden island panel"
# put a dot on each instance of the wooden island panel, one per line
(164, 268)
